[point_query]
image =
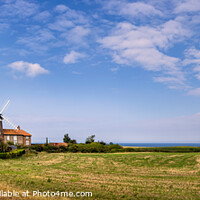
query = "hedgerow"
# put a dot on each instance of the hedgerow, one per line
(12, 154)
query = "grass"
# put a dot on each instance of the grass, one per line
(147, 175)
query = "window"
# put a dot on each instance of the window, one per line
(27, 137)
(27, 142)
(8, 137)
(15, 139)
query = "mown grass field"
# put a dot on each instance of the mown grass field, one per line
(107, 176)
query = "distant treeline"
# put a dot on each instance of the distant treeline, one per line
(98, 147)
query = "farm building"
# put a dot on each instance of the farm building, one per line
(16, 135)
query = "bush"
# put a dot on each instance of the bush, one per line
(37, 147)
(73, 148)
(10, 143)
(12, 154)
(93, 147)
(51, 149)
(63, 148)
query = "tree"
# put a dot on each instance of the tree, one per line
(73, 142)
(67, 139)
(90, 139)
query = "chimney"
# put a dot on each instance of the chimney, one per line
(18, 128)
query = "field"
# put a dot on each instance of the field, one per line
(107, 176)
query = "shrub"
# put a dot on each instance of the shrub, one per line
(12, 154)
(63, 148)
(51, 149)
(73, 148)
(10, 143)
(37, 147)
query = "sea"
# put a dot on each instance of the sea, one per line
(159, 144)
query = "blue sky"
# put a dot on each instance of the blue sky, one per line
(126, 71)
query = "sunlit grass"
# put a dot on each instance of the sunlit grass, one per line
(107, 176)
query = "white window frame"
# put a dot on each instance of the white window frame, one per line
(27, 142)
(8, 137)
(15, 139)
(27, 137)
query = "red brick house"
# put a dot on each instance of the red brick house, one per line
(18, 137)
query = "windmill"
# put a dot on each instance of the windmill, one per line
(4, 118)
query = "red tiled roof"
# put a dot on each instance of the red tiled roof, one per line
(59, 144)
(15, 132)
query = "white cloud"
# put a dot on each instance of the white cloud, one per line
(193, 59)
(194, 92)
(42, 16)
(61, 24)
(61, 8)
(168, 80)
(70, 14)
(73, 26)
(114, 69)
(29, 69)
(77, 35)
(73, 57)
(76, 73)
(192, 52)
(188, 6)
(135, 9)
(38, 39)
(21, 8)
(142, 46)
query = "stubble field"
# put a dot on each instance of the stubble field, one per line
(107, 176)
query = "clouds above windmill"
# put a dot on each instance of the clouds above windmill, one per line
(73, 57)
(28, 69)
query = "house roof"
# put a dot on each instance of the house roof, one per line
(15, 132)
(58, 144)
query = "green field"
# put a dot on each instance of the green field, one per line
(107, 176)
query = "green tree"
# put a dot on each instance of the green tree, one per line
(90, 139)
(66, 138)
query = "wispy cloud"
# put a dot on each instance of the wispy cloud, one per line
(194, 92)
(19, 8)
(38, 39)
(73, 57)
(135, 9)
(143, 46)
(76, 73)
(193, 59)
(188, 6)
(42, 16)
(28, 69)
(3, 27)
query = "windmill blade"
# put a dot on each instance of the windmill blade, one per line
(5, 106)
(10, 123)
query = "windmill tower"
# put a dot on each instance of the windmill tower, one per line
(3, 118)
(1, 127)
